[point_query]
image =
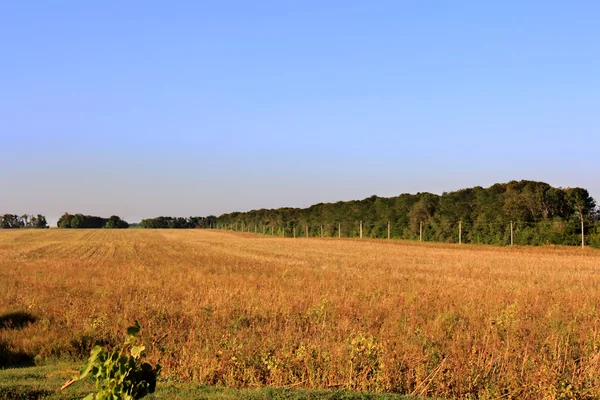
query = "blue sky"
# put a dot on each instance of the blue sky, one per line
(193, 108)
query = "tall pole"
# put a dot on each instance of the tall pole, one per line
(361, 229)
(339, 230)
(321, 231)
(389, 228)
(582, 234)
(460, 232)
(512, 233)
(421, 231)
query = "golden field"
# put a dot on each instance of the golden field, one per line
(249, 310)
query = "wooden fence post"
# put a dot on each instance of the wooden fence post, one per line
(339, 230)
(361, 229)
(512, 235)
(460, 232)
(389, 229)
(321, 231)
(421, 231)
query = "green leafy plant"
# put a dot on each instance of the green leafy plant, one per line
(119, 374)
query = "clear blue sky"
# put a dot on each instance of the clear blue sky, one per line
(146, 108)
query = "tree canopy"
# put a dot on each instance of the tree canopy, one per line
(73, 221)
(539, 212)
(11, 221)
(179, 222)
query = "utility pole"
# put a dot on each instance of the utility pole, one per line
(361, 229)
(512, 233)
(421, 231)
(582, 234)
(389, 229)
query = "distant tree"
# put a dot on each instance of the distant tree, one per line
(77, 221)
(210, 222)
(64, 221)
(177, 222)
(11, 221)
(80, 221)
(41, 222)
(115, 222)
(583, 204)
(422, 210)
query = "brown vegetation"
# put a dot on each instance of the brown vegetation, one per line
(245, 310)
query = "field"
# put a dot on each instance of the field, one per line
(247, 311)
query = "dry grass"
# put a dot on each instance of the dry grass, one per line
(244, 310)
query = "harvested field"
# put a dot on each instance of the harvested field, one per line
(243, 310)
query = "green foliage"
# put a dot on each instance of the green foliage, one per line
(90, 222)
(11, 221)
(119, 374)
(115, 222)
(179, 222)
(40, 382)
(541, 214)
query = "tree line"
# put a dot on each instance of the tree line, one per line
(13, 221)
(73, 221)
(540, 214)
(179, 222)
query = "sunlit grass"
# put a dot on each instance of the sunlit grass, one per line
(241, 310)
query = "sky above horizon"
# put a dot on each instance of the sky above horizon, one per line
(142, 109)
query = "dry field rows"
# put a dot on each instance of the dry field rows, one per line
(246, 310)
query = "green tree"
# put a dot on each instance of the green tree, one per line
(115, 222)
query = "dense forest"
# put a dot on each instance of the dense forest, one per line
(12, 221)
(540, 214)
(70, 221)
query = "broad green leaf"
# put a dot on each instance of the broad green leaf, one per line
(136, 351)
(134, 330)
(87, 368)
